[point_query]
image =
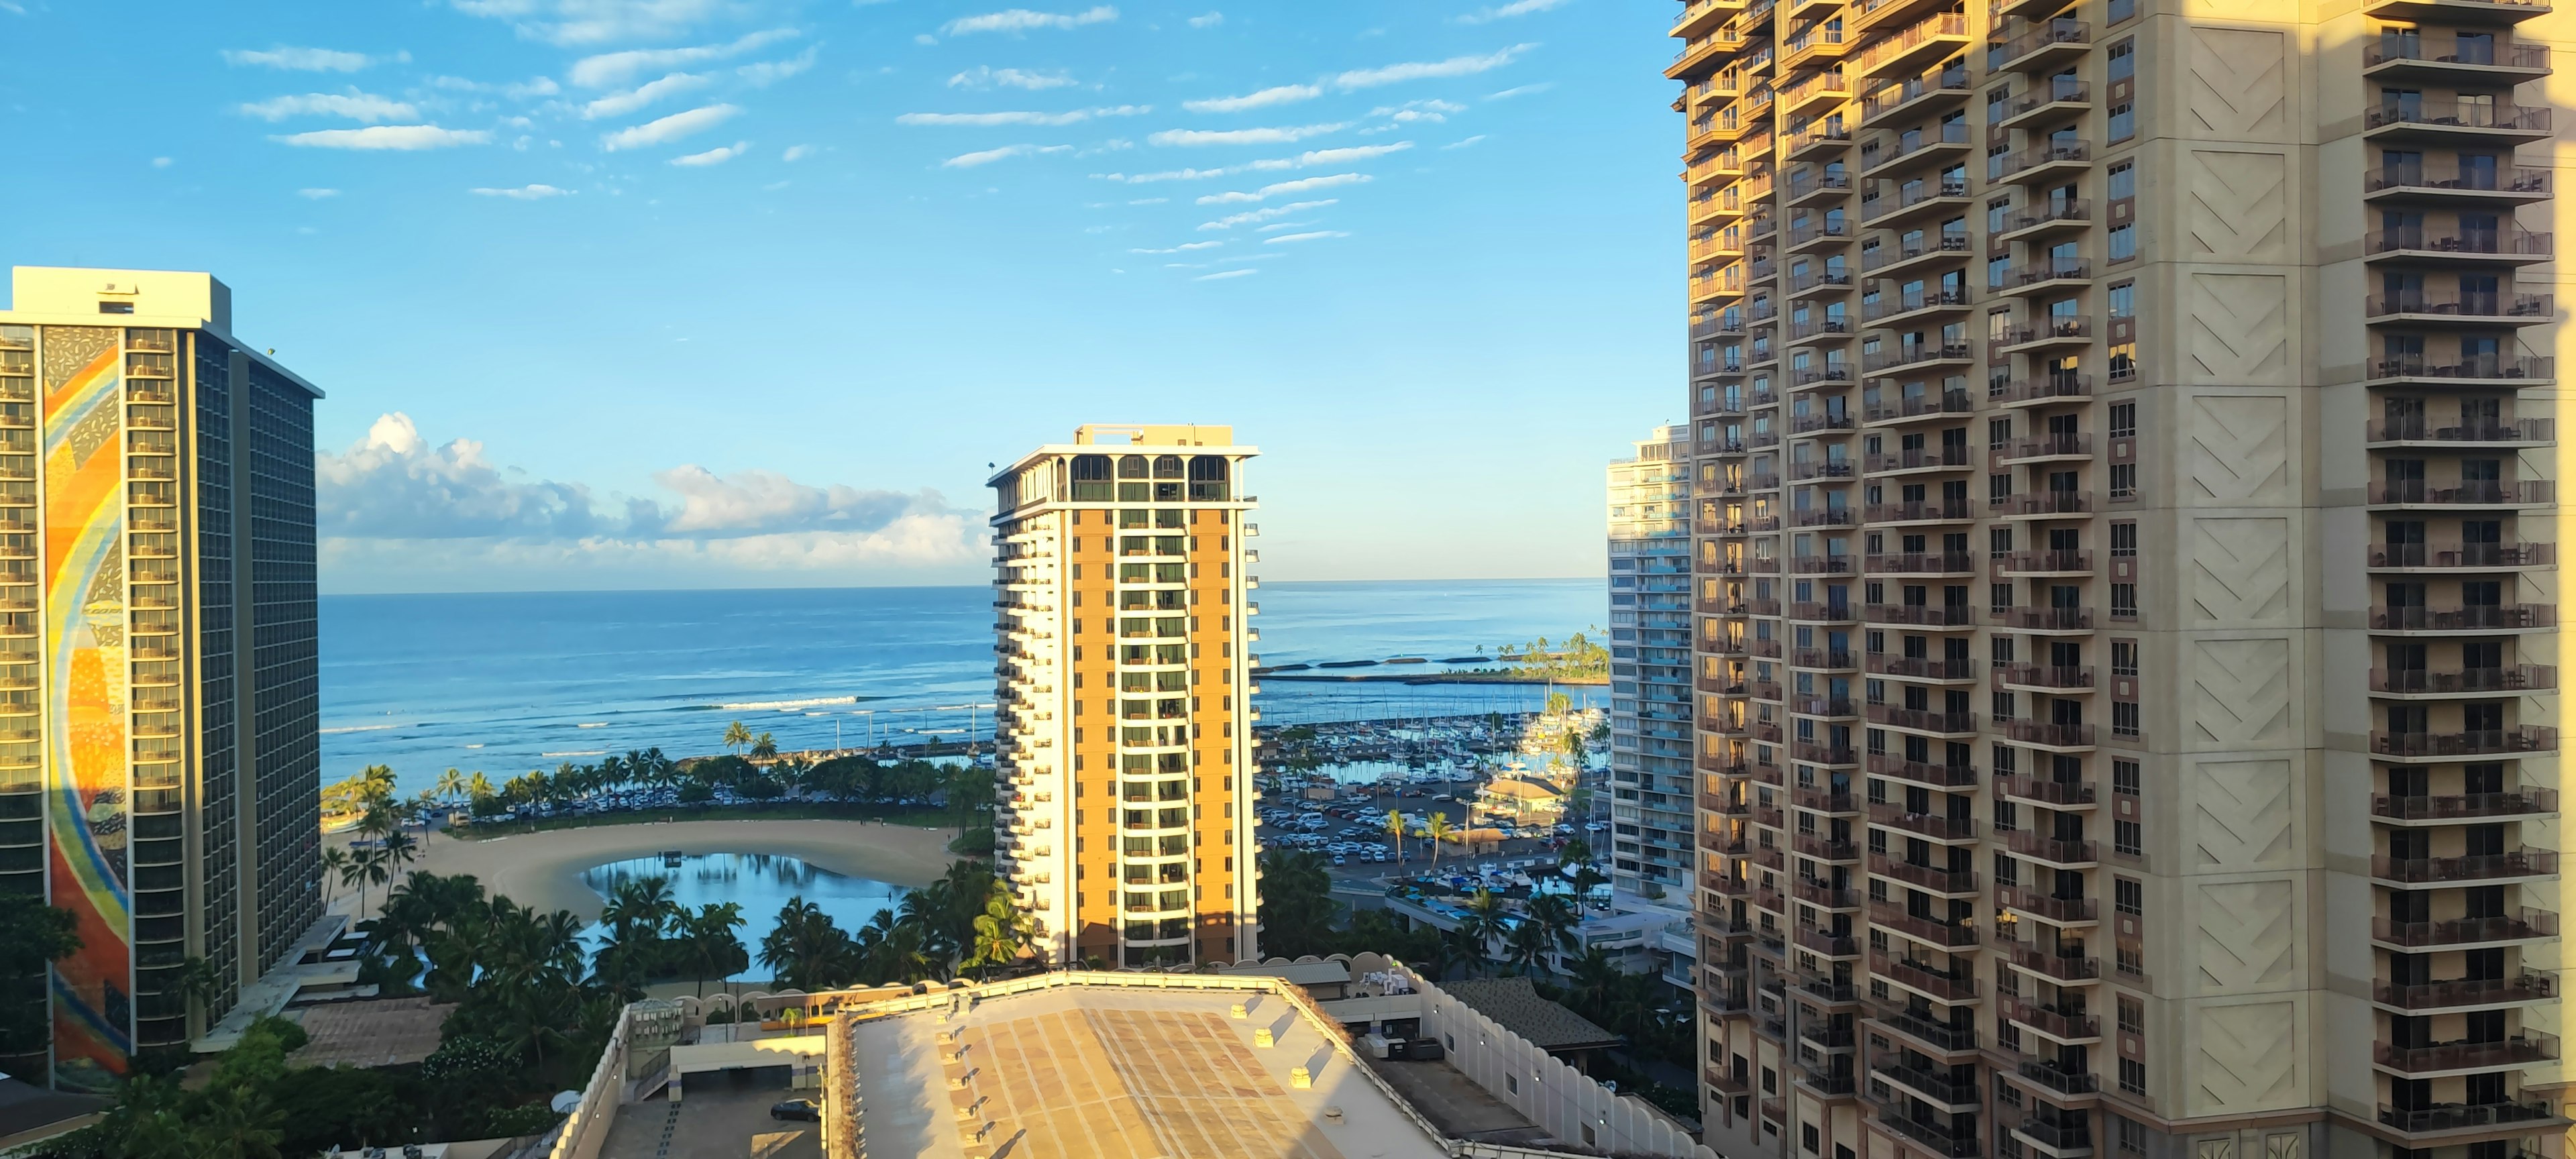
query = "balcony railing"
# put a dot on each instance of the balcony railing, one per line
(2520, 1050)
(2470, 307)
(2050, 561)
(2453, 114)
(1923, 719)
(2484, 430)
(2448, 1117)
(2470, 867)
(2518, 678)
(2527, 925)
(2517, 179)
(2054, 1021)
(2062, 909)
(2481, 742)
(1925, 877)
(1921, 615)
(1922, 667)
(2056, 794)
(1924, 772)
(2054, 850)
(2044, 503)
(2465, 806)
(2470, 493)
(2047, 619)
(2057, 384)
(2465, 992)
(2474, 556)
(1952, 935)
(2501, 243)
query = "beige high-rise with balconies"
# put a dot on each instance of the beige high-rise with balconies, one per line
(1123, 677)
(2126, 577)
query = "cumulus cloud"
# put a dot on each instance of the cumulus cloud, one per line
(985, 76)
(797, 153)
(521, 193)
(405, 138)
(1507, 11)
(1301, 185)
(582, 23)
(354, 105)
(670, 128)
(1273, 213)
(988, 120)
(1369, 78)
(1024, 20)
(988, 156)
(1265, 136)
(1276, 95)
(610, 69)
(299, 59)
(1209, 20)
(618, 104)
(716, 156)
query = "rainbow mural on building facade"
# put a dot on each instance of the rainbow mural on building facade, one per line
(86, 763)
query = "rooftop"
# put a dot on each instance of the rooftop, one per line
(1514, 1005)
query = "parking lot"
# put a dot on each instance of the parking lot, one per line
(1351, 833)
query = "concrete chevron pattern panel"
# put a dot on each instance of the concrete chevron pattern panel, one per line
(2238, 205)
(2247, 935)
(2240, 573)
(2239, 84)
(2283, 1145)
(2240, 450)
(2246, 1056)
(2239, 330)
(2240, 695)
(2244, 815)
(2222, 1147)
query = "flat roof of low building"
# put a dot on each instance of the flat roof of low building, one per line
(1515, 1005)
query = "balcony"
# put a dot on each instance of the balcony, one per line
(1922, 667)
(2042, 504)
(2526, 926)
(1920, 356)
(1807, 187)
(2042, 276)
(1918, 94)
(1824, 849)
(2031, 619)
(2054, 794)
(2465, 681)
(1921, 615)
(2043, 162)
(2445, 745)
(2064, 1025)
(1936, 827)
(2054, 445)
(1949, 935)
(2061, 967)
(1946, 882)
(2477, 432)
(1815, 282)
(2472, 618)
(1903, 307)
(2512, 247)
(2448, 1118)
(1939, 776)
(2420, 310)
(2044, 389)
(2057, 41)
(2504, 186)
(1943, 1091)
(1923, 719)
(1950, 144)
(2463, 557)
(1919, 44)
(2065, 1084)
(1922, 563)
(2058, 215)
(2047, 563)
(2523, 1049)
(2063, 852)
(2465, 992)
(2460, 122)
(1926, 198)
(1921, 511)
(2464, 807)
(1948, 404)
(2520, 863)
(2064, 911)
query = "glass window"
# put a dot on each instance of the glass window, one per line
(2124, 420)
(2124, 539)
(2124, 300)
(2124, 242)
(2123, 60)
(2124, 121)
(2124, 180)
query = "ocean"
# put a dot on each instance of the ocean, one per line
(505, 683)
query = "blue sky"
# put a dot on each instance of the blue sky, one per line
(656, 293)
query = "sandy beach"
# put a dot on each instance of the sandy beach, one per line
(543, 870)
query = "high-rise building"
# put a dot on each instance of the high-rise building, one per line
(1123, 676)
(159, 753)
(2123, 453)
(1653, 792)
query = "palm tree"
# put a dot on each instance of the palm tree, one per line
(236, 1123)
(1395, 829)
(199, 981)
(399, 850)
(479, 787)
(1525, 946)
(1438, 830)
(736, 736)
(450, 785)
(764, 747)
(366, 867)
(710, 944)
(335, 864)
(1486, 921)
(1001, 933)
(1556, 920)
(806, 951)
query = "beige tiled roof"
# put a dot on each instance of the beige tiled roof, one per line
(1514, 1004)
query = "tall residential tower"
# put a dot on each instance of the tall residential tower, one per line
(1653, 819)
(2124, 459)
(159, 753)
(1123, 673)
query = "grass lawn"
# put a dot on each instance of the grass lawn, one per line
(782, 811)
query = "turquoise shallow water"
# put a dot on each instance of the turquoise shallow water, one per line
(504, 683)
(761, 882)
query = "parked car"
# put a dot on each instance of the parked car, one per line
(797, 1110)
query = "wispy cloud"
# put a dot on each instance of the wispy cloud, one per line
(1369, 78)
(1223, 276)
(1273, 213)
(1507, 11)
(1182, 249)
(987, 120)
(1024, 20)
(1317, 235)
(1267, 136)
(523, 192)
(1209, 20)
(764, 73)
(1348, 155)
(1521, 91)
(299, 59)
(515, 90)
(1280, 95)
(988, 156)
(1433, 111)
(161, 162)
(1286, 188)
(354, 105)
(404, 138)
(317, 194)
(797, 153)
(985, 76)
(716, 156)
(608, 70)
(670, 128)
(582, 23)
(619, 104)
(1468, 143)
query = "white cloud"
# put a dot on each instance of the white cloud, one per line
(670, 128)
(1198, 174)
(1418, 112)
(521, 193)
(1149, 201)
(405, 138)
(1285, 238)
(1210, 20)
(1182, 249)
(611, 69)
(1346, 156)
(582, 23)
(1223, 276)
(1521, 91)
(619, 104)
(988, 120)
(764, 73)
(1465, 143)
(1276, 226)
(1507, 11)
(1024, 20)
(1369, 78)
(716, 156)
(161, 162)
(985, 76)
(988, 156)
(317, 194)
(299, 59)
(797, 153)
(1301, 185)
(517, 90)
(1273, 213)
(1267, 136)
(1278, 95)
(354, 105)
